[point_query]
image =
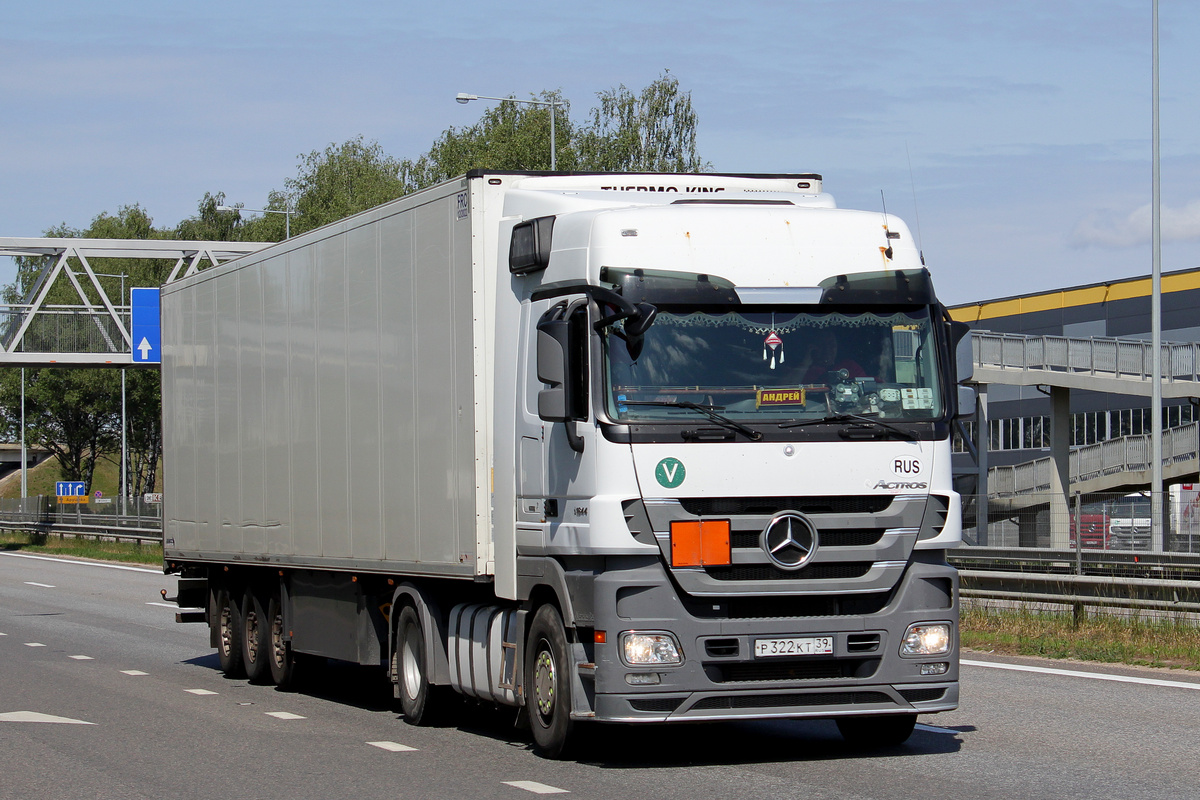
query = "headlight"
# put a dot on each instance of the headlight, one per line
(926, 639)
(650, 649)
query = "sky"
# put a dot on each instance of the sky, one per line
(1014, 137)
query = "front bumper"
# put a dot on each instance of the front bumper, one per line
(720, 678)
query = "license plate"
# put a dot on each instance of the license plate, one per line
(794, 646)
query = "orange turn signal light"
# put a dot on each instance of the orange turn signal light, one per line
(601, 637)
(700, 543)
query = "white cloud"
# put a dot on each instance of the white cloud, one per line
(1109, 229)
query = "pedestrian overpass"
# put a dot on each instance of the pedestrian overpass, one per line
(1061, 364)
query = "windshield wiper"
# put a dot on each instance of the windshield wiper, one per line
(709, 411)
(859, 418)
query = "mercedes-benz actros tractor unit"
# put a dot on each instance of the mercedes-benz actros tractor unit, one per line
(636, 448)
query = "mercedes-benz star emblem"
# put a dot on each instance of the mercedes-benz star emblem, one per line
(790, 540)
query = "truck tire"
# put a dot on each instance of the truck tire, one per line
(890, 730)
(418, 699)
(229, 636)
(280, 659)
(548, 682)
(255, 639)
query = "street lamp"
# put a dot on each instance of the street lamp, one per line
(554, 104)
(287, 221)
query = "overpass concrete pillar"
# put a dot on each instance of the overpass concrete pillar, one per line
(981, 458)
(1060, 463)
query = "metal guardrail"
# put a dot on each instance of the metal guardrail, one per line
(1100, 356)
(1152, 594)
(1006, 579)
(99, 527)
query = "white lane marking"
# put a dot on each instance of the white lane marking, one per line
(33, 716)
(43, 585)
(3, 634)
(1096, 676)
(164, 605)
(134, 672)
(34, 644)
(198, 691)
(283, 715)
(83, 563)
(392, 747)
(535, 787)
(82, 658)
(935, 729)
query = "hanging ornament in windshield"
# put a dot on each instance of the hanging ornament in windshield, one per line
(773, 342)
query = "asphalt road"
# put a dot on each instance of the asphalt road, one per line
(103, 695)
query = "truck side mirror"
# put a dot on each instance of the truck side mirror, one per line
(964, 355)
(966, 402)
(553, 349)
(562, 362)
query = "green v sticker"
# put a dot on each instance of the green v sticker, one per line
(670, 472)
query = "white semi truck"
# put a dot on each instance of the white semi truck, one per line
(612, 448)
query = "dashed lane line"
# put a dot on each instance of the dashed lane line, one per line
(283, 715)
(34, 716)
(393, 747)
(137, 673)
(935, 729)
(100, 564)
(40, 585)
(82, 658)
(199, 691)
(536, 788)
(1096, 676)
(34, 644)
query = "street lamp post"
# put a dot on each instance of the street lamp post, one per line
(554, 105)
(287, 212)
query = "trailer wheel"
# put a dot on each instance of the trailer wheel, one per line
(229, 636)
(548, 682)
(255, 638)
(418, 700)
(280, 659)
(888, 730)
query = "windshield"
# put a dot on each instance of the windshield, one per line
(782, 365)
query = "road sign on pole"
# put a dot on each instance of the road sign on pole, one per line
(71, 491)
(145, 326)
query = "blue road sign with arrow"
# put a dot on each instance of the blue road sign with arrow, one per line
(145, 327)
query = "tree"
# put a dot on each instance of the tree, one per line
(509, 136)
(654, 131)
(339, 181)
(72, 413)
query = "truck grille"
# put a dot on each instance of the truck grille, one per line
(789, 700)
(851, 537)
(751, 672)
(922, 695)
(766, 572)
(769, 506)
(662, 705)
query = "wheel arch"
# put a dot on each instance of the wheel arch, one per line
(433, 624)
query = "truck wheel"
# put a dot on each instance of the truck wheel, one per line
(280, 659)
(418, 700)
(255, 641)
(548, 682)
(888, 730)
(229, 636)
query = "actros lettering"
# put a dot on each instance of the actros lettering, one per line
(902, 485)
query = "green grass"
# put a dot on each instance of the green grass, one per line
(1104, 637)
(41, 479)
(81, 548)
